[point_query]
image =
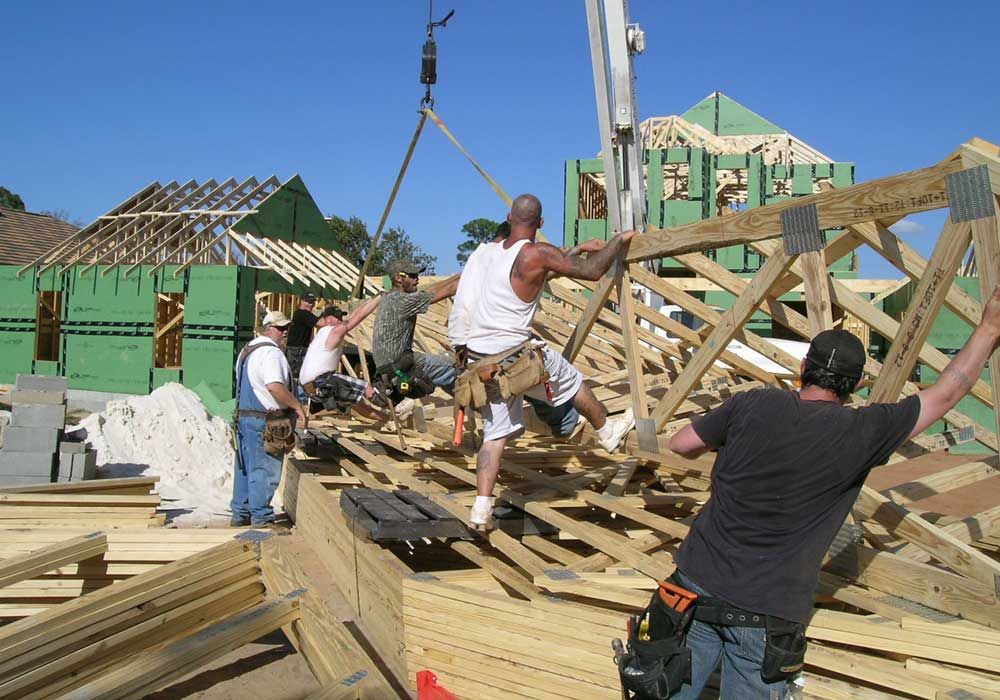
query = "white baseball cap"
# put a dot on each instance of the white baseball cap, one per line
(276, 318)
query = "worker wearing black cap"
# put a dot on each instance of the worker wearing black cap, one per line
(789, 468)
(300, 335)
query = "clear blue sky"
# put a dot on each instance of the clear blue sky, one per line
(103, 98)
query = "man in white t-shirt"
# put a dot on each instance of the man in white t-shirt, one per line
(263, 387)
(319, 376)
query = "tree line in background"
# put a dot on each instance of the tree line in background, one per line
(354, 240)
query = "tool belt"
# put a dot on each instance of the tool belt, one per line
(785, 641)
(512, 373)
(399, 380)
(656, 662)
(279, 430)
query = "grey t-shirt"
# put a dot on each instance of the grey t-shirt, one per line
(395, 322)
(787, 474)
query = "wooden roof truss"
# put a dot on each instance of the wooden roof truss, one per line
(194, 223)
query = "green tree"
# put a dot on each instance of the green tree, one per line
(351, 236)
(478, 231)
(354, 240)
(10, 200)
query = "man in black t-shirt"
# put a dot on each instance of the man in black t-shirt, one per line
(789, 468)
(300, 334)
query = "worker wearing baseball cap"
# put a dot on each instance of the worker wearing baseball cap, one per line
(265, 406)
(789, 468)
(300, 334)
(396, 322)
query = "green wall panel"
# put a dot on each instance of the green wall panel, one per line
(210, 362)
(109, 363)
(112, 298)
(47, 368)
(289, 214)
(163, 376)
(17, 350)
(18, 299)
(211, 296)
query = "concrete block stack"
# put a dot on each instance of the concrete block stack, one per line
(34, 451)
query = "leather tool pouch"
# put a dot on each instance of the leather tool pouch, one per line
(784, 650)
(279, 434)
(513, 373)
(657, 662)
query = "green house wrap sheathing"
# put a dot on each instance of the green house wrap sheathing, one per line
(289, 214)
(218, 320)
(18, 301)
(107, 329)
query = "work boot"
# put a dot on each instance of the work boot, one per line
(481, 517)
(613, 433)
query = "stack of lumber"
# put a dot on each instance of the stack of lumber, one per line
(103, 504)
(128, 639)
(129, 552)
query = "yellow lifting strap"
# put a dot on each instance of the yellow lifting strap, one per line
(359, 286)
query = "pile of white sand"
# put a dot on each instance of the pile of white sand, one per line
(168, 434)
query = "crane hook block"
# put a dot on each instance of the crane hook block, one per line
(428, 66)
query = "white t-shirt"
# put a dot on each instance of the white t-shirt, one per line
(266, 366)
(318, 359)
(469, 289)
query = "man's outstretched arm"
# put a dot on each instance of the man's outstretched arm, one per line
(553, 260)
(961, 374)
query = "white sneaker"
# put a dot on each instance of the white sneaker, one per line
(620, 427)
(404, 408)
(481, 517)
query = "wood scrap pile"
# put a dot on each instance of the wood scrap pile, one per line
(102, 504)
(908, 604)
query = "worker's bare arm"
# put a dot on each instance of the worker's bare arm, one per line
(543, 258)
(286, 399)
(445, 289)
(355, 318)
(961, 374)
(686, 443)
(591, 246)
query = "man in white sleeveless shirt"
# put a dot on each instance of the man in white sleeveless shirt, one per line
(501, 298)
(319, 367)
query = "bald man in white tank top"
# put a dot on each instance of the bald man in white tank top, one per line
(504, 296)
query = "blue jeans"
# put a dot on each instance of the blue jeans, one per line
(256, 475)
(562, 419)
(741, 651)
(439, 371)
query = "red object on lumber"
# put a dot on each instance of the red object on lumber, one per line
(428, 688)
(459, 421)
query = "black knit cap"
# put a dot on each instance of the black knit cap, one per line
(838, 351)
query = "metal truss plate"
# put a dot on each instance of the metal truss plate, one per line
(800, 230)
(970, 194)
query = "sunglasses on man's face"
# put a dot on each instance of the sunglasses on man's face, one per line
(412, 276)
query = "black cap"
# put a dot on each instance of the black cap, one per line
(309, 297)
(840, 352)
